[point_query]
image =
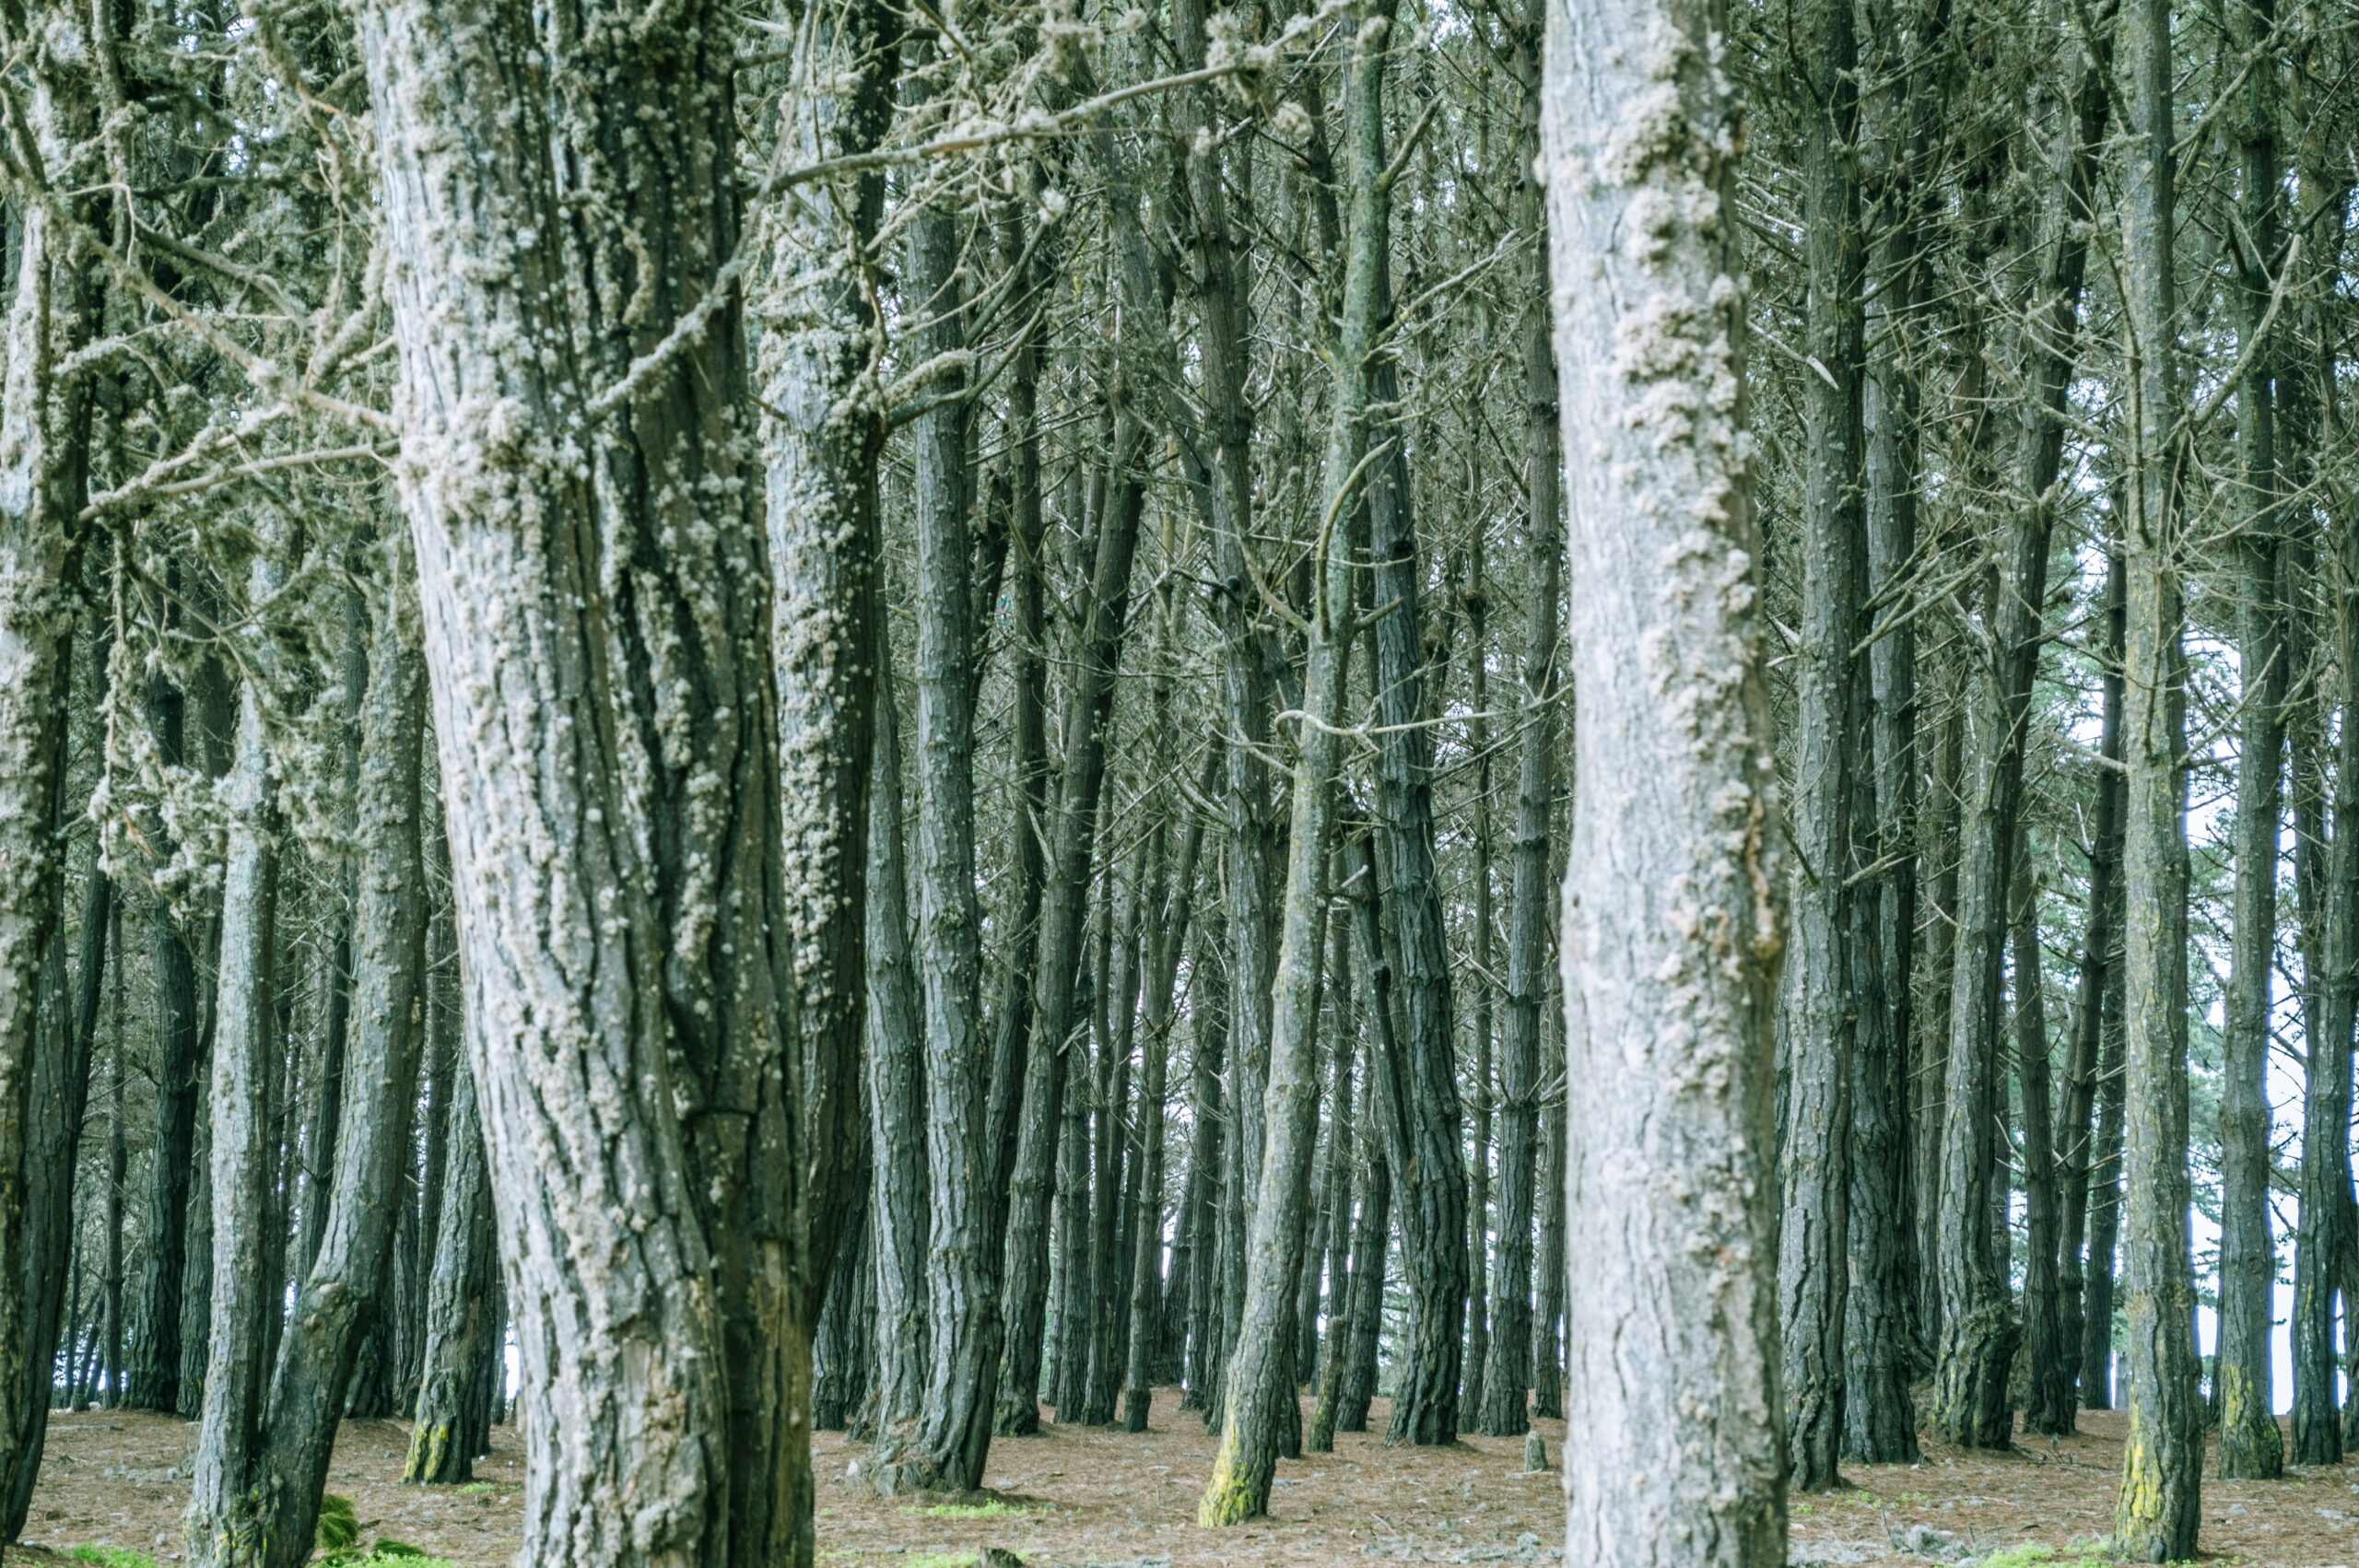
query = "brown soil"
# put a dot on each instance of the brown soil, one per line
(1105, 1499)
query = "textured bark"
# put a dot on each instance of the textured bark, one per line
(59, 1101)
(2155, 1518)
(1929, 1100)
(900, 1195)
(1262, 1370)
(225, 1523)
(2049, 1408)
(1334, 1350)
(1880, 1330)
(460, 1313)
(1172, 894)
(45, 438)
(1531, 892)
(263, 1507)
(597, 633)
(118, 1159)
(1813, 1237)
(823, 433)
(2076, 1286)
(1071, 852)
(1671, 908)
(944, 1445)
(1110, 1272)
(1422, 1131)
(1209, 1021)
(2251, 1445)
(1373, 1236)
(1478, 1191)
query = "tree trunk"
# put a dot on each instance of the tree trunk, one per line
(117, 1159)
(823, 434)
(44, 454)
(1262, 1370)
(900, 1199)
(2098, 972)
(226, 1522)
(943, 1446)
(1671, 928)
(2156, 1516)
(1208, 1019)
(597, 632)
(2251, 1445)
(2048, 1409)
(461, 1314)
(1373, 1236)
(1335, 1349)
(1819, 1034)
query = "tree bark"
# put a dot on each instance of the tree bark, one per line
(2155, 1518)
(2251, 1445)
(461, 1314)
(1671, 908)
(2049, 1407)
(900, 1195)
(44, 454)
(597, 632)
(1261, 1371)
(1821, 1007)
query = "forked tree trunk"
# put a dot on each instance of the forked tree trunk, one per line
(2156, 1516)
(264, 1511)
(597, 634)
(1670, 930)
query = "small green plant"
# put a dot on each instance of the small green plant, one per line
(478, 1489)
(339, 1528)
(112, 1557)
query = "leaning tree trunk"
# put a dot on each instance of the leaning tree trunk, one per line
(597, 631)
(2251, 1448)
(2156, 1516)
(1671, 928)
(261, 1509)
(1815, 1175)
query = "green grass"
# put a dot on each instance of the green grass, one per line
(941, 1560)
(992, 1508)
(2043, 1557)
(112, 1557)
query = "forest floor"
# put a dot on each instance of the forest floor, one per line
(1102, 1498)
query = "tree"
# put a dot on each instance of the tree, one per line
(1672, 906)
(2156, 1518)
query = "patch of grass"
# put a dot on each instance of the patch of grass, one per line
(2043, 1557)
(339, 1528)
(941, 1560)
(478, 1489)
(112, 1557)
(990, 1508)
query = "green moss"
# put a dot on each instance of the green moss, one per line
(112, 1557)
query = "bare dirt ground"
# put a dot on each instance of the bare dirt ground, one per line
(1084, 1498)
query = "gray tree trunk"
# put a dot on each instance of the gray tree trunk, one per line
(1671, 909)
(598, 640)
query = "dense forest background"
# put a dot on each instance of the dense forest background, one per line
(723, 720)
